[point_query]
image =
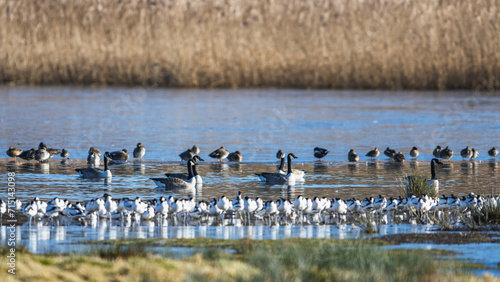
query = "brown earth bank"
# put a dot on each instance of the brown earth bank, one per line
(443, 238)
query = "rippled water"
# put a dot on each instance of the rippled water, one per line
(255, 122)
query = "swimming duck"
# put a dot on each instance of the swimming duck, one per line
(320, 152)
(177, 183)
(493, 152)
(399, 157)
(280, 155)
(219, 154)
(466, 153)
(352, 156)
(13, 152)
(235, 157)
(117, 155)
(95, 172)
(437, 152)
(390, 153)
(373, 153)
(278, 178)
(139, 151)
(414, 152)
(446, 153)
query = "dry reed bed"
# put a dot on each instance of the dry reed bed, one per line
(388, 44)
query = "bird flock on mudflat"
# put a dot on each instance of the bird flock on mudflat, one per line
(251, 211)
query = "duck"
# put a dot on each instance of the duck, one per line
(42, 155)
(28, 155)
(299, 174)
(434, 182)
(475, 153)
(13, 152)
(195, 150)
(493, 152)
(414, 152)
(52, 152)
(320, 152)
(390, 153)
(94, 156)
(278, 178)
(280, 155)
(352, 156)
(91, 172)
(185, 176)
(178, 183)
(399, 157)
(466, 153)
(117, 155)
(139, 151)
(219, 154)
(187, 155)
(437, 152)
(446, 153)
(235, 157)
(64, 153)
(373, 153)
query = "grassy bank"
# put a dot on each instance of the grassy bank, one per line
(391, 44)
(282, 260)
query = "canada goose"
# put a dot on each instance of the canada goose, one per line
(95, 172)
(299, 174)
(195, 150)
(278, 178)
(280, 155)
(28, 155)
(434, 183)
(320, 152)
(446, 153)
(373, 153)
(177, 183)
(466, 153)
(390, 153)
(414, 152)
(235, 157)
(185, 176)
(219, 154)
(352, 156)
(399, 157)
(13, 152)
(118, 155)
(139, 151)
(493, 152)
(64, 153)
(475, 153)
(187, 155)
(437, 152)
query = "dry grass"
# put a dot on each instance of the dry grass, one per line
(389, 44)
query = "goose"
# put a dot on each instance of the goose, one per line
(91, 172)
(466, 153)
(373, 153)
(414, 152)
(235, 157)
(28, 155)
(434, 182)
(399, 157)
(446, 153)
(187, 155)
(139, 151)
(475, 153)
(185, 176)
(437, 152)
(278, 178)
(320, 152)
(352, 156)
(390, 153)
(117, 155)
(299, 174)
(178, 183)
(280, 155)
(13, 152)
(219, 154)
(493, 152)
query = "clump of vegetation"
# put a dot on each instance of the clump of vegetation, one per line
(486, 215)
(416, 184)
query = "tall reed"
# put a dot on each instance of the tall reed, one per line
(380, 44)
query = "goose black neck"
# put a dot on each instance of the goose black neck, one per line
(282, 164)
(190, 169)
(195, 173)
(289, 165)
(105, 163)
(433, 170)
